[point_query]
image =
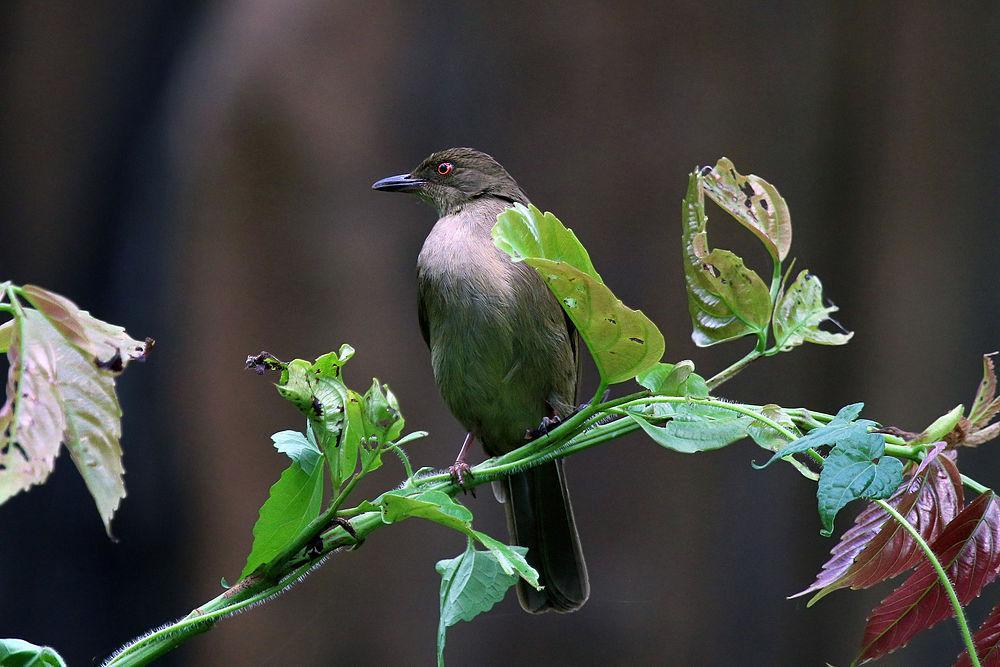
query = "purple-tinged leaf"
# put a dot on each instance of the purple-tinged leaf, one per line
(986, 641)
(969, 552)
(874, 550)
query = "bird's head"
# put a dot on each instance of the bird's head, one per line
(452, 178)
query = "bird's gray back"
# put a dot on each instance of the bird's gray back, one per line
(501, 350)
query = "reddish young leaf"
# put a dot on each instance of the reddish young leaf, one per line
(987, 642)
(969, 553)
(874, 550)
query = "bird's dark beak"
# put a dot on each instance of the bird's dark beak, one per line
(401, 183)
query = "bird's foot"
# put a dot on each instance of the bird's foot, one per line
(546, 425)
(459, 472)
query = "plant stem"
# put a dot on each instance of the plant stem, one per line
(963, 624)
(728, 373)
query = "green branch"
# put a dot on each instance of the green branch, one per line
(963, 623)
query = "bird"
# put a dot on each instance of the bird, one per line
(505, 357)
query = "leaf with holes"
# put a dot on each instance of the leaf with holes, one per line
(62, 393)
(987, 642)
(107, 344)
(968, 550)
(471, 584)
(32, 421)
(754, 203)
(800, 311)
(623, 342)
(877, 548)
(726, 300)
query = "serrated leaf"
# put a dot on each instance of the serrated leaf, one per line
(877, 548)
(968, 550)
(32, 422)
(696, 428)
(434, 506)
(754, 203)
(19, 653)
(726, 300)
(299, 448)
(60, 395)
(293, 502)
(107, 344)
(623, 342)
(843, 425)
(471, 584)
(854, 469)
(673, 380)
(799, 313)
(986, 404)
(987, 642)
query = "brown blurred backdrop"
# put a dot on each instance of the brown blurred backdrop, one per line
(200, 172)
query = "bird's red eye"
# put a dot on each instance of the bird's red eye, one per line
(445, 168)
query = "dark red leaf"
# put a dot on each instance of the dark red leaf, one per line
(986, 405)
(874, 550)
(987, 642)
(968, 551)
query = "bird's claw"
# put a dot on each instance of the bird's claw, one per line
(459, 472)
(546, 425)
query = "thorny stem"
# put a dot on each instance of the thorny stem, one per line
(580, 432)
(963, 623)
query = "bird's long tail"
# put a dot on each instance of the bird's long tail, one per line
(540, 517)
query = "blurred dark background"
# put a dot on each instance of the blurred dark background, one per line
(200, 172)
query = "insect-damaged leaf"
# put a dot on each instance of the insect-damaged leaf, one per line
(876, 547)
(968, 550)
(754, 203)
(107, 344)
(800, 311)
(726, 300)
(987, 642)
(623, 342)
(986, 404)
(59, 393)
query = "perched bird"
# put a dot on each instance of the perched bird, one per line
(504, 356)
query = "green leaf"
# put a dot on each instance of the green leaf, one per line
(294, 501)
(754, 203)
(57, 392)
(510, 558)
(19, 653)
(623, 342)
(799, 313)
(674, 380)
(696, 428)
(471, 584)
(435, 506)
(843, 425)
(726, 300)
(300, 448)
(855, 469)
(382, 413)
(6, 333)
(941, 427)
